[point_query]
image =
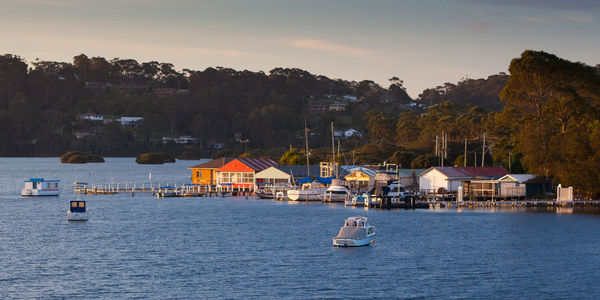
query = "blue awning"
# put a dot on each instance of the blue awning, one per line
(304, 180)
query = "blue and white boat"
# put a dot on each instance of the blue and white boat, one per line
(356, 232)
(40, 187)
(77, 211)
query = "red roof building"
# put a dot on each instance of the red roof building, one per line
(239, 173)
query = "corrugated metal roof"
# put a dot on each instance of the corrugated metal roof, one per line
(213, 164)
(470, 172)
(409, 172)
(521, 178)
(366, 171)
(300, 171)
(258, 164)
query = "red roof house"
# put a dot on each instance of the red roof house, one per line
(239, 173)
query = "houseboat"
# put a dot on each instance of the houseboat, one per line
(40, 187)
(77, 211)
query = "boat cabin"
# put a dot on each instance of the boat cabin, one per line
(40, 187)
(77, 206)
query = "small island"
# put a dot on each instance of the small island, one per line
(155, 158)
(78, 157)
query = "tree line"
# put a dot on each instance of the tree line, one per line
(542, 119)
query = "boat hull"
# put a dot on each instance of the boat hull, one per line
(36, 192)
(74, 216)
(302, 195)
(337, 242)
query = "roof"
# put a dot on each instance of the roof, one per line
(409, 172)
(41, 180)
(366, 171)
(300, 171)
(521, 178)
(469, 172)
(258, 164)
(213, 164)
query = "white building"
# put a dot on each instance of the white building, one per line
(129, 121)
(449, 179)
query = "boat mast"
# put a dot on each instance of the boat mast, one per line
(306, 142)
(332, 152)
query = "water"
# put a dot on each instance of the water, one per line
(144, 247)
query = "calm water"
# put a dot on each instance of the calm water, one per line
(144, 247)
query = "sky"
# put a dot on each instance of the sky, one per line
(424, 43)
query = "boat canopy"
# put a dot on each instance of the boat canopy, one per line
(41, 180)
(77, 206)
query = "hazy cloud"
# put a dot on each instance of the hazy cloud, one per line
(329, 47)
(478, 26)
(584, 5)
(536, 20)
(580, 19)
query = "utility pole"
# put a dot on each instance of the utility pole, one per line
(483, 151)
(509, 161)
(445, 145)
(465, 163)
(436, 145)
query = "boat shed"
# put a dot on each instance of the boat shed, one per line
(290, 174)
(205, 173)
(360, 177)
(239, 173)
(409, 178)
(448, 179)
(526, 185)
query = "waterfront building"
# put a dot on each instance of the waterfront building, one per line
(507, 186)
(448, 179)
(205, 173)
(360, 178)
(239, 173)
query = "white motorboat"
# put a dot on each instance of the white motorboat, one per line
(310, 192)
(40, 187)
(77, 211)
(337, 192)
(356, 232)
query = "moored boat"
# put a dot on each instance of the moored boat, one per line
(40, 187)
(310, 192)
(337, 192)
(356, 232)
(77, 211)
(167, 191)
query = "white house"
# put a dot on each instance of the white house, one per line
(91, 117)
(450, 178)
(272, 175)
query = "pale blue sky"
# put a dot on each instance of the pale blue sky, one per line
(425, 43)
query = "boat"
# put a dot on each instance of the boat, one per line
(356, 232)
(77, 211)
(40, 187)
(337, 192)
(276, 191)
(312, 191)
(167, 191)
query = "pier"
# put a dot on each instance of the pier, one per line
(160, 189)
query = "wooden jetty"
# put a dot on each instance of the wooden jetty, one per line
(179, 190)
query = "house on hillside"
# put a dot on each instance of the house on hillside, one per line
(239, 173)
(205, 173)
(448, 179)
